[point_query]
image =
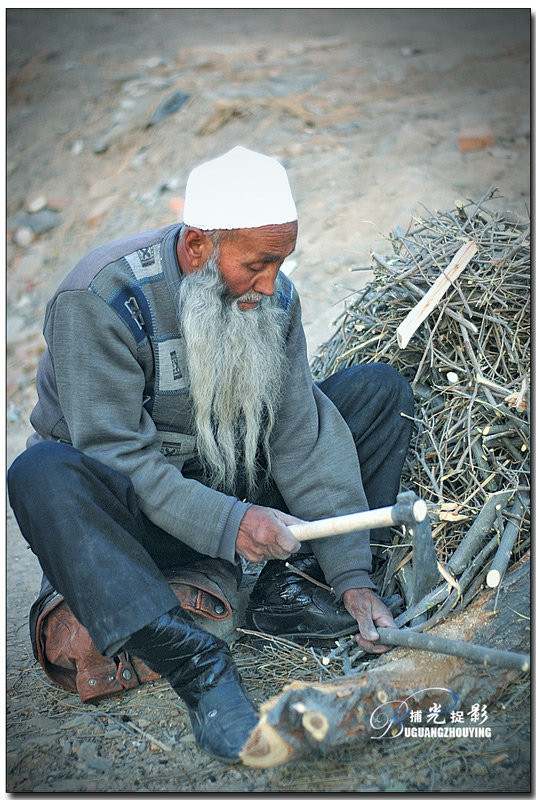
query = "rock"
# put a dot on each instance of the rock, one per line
(37, 203)
(409, 51)
(37, 223)
(169, 105)
(43, 221)
(23, 236)
(475, 138)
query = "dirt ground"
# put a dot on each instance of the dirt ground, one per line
(364, 107)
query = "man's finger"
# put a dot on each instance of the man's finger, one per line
(367, 629)
(385, 621)
(370, 647)
(287, 542)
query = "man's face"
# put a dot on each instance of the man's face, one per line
(250, 259)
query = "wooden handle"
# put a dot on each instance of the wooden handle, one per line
(360, 521)
(401, 513)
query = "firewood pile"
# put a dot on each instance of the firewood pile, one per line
(450, 309)
(468, 360)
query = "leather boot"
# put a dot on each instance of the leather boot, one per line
(200, 668)
(286, 604)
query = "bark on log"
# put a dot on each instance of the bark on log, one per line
(309, 719)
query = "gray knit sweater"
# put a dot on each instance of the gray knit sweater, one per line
(113, 382)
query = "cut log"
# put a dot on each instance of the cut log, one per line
(504, 551)
(309, 719)
(472, 540)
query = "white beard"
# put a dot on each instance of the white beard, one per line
(236, 362)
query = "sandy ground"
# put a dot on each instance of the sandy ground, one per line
(364, 107)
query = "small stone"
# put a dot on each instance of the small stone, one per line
(153, 62)
(409, 51)
(77, 147)
(475, 138)
(37, 203)
(168, 106)
(23, 237)
(43, 221)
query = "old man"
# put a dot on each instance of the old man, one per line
(178, 426)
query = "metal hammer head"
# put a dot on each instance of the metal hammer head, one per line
(409, 510)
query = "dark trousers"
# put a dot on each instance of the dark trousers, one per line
(82, 520)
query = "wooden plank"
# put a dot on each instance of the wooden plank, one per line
(431, 299)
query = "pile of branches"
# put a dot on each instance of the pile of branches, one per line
(468, 363)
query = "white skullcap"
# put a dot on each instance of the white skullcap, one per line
(241, 189)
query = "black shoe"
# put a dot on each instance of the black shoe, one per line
(285, 604)
(200, 668)
(223, 719)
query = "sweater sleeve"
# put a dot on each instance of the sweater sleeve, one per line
(316, 467)
(100, 386)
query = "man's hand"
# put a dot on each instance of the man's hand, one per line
(369, 611)
(263, 534)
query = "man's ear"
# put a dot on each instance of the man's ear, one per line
(194, 249)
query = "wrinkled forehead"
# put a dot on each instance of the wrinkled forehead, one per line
(268, 243)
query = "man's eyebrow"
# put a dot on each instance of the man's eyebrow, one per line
(269, 258)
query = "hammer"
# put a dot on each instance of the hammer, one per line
(408, 510)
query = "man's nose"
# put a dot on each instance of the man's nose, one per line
(265, 283)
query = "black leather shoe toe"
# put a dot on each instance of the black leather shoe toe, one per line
(286, 604)
(223, 720)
